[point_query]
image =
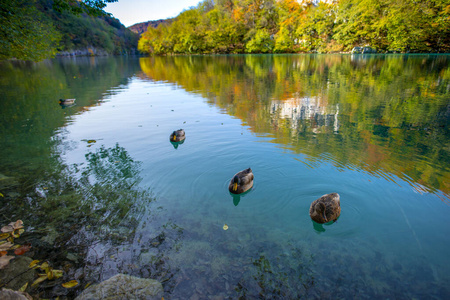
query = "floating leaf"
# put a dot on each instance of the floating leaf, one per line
(7, 228)
(2, 253)
(91, 141)
(5, 246)
(4, 235)
(42, 277)
(33, 264)
(22, 289)
(17, 232)
(87, 285)
(44, 266)
(22, 250)
(49, 272)
(4, 260)
(16, 225)
(1, 195)
(57, 274)
(225, 227)
(70, 284)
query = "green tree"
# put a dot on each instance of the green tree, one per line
(261, 42)
(25, 32)
(91, 7)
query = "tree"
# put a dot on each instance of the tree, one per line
(25, 33)
(91, 7)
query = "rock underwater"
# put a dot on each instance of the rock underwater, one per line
(123, 286)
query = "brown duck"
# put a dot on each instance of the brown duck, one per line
(241, 182)
(326, 209)
(177, 135)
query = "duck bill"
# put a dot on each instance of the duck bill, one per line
(235, 187)
(174, 138)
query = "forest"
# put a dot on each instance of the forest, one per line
(303, 26)
(38, 29)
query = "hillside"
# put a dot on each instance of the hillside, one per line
(39, 29)
(140, 28)
(292, 26)
(85, 34)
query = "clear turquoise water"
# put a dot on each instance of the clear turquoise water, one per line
(374, 129)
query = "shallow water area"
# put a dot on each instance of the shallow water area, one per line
(372, 128)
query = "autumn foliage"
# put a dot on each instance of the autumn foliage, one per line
(284, 26)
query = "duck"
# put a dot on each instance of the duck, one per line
(241, 182)
(177, 135)
(326, 209)
(66, 101)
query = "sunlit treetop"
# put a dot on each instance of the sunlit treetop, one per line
(91, 7)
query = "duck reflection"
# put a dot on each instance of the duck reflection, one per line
(237, 197)
(176, 144)
(319, 228)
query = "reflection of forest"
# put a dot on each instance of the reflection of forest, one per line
(311, 109)
(30, 93)
(387, 115)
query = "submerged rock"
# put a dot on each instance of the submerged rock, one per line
(14, 295)
(123, 286)
(17, 273)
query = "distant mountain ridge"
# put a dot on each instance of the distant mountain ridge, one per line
(140, 28)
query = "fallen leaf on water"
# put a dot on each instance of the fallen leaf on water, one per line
(7, 228)
(4, 260)
(3, 253)
(4, 235)
(225, 227)
(17, 232)
(5, 246)
(70, 284)
(24, 287)
(49, 272)
(42, 277)
(91, 141)
(12, 226)
(44, 266)
(87, 285)
(22, 250)
(33, 264)
(57, 274)
(18, 224)
(1, 195)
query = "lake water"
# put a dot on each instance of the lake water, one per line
(102, 190)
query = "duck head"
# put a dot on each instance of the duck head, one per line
(236, 181)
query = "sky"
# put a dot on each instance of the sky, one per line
(130, 12)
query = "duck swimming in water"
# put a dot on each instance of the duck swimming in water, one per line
(177, 135)
(326, 209)
(66, 101)
(241, 182)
